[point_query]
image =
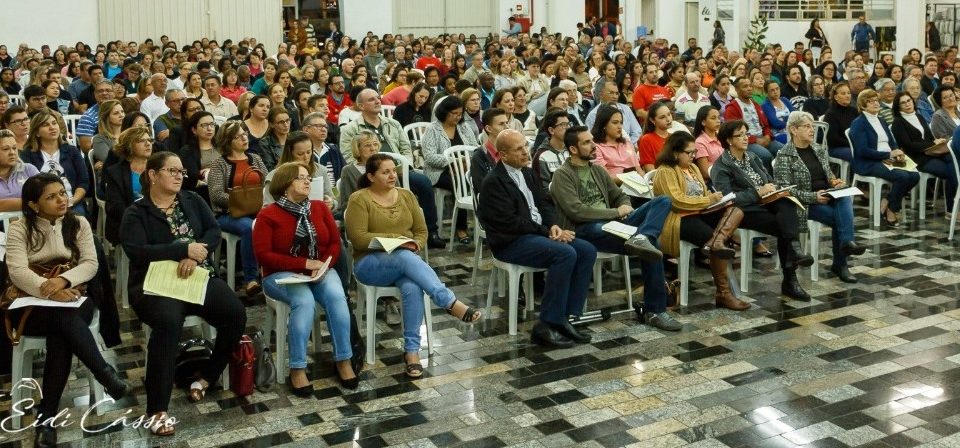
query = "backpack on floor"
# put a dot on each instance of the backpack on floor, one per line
(192, 356)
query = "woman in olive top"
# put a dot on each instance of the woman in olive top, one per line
(678, 178)
(380, 209)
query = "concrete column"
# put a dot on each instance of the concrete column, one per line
(910, 18)
(670, 21)
(357, 19)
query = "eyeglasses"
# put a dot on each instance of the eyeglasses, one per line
(207, 125)
(303, 178)
(21, 121)
(241, 136)
(175, 172)
(565, 124)
(282, 122)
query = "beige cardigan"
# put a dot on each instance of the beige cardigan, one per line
(19, 256)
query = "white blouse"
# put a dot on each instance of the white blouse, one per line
(883, 142)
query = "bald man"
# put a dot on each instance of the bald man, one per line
(521, 229)
(156, 105)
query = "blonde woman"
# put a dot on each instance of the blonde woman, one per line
(108, 129)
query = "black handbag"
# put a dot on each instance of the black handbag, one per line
(357, 347)
(192, 356)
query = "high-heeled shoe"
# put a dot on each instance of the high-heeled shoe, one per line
(46, 436)
(303, 391)
(351, 383)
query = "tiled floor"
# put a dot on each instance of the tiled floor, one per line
(875, 364)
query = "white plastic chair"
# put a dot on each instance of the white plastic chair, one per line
(218, 120)
(813, 248)
(956, 197)
(415, 132)
(683, 266)
(746, 255)
(368, 312)
(513, 281)
(925, 178)
(22, 365)
(230, 241)
(7, 217)
(72, 121)
(123, 273)
(458, 158)
(820, 129)
(598, 275)
(17, 100)
(386, 110)
(280, 323)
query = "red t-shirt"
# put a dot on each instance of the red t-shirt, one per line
(645, 95)
(649, 146)
(333, 112)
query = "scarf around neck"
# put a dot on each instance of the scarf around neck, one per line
(306, 234)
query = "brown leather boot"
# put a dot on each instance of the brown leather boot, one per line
(724, 297)
(717, 246)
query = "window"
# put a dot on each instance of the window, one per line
(725, 9)
(824, 9)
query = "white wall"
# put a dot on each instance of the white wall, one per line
(561, 18)
(837, 32)
(670, 22)
(26, 22)
(358, 17)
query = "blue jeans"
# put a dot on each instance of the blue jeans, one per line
(942, 167)
(766, 154)
(421, 187)
(569, 268)
(902, 181)
(841, 152)
(407, 271)
(242, 227)
(838, 215)
(648, 219)
(302, 298)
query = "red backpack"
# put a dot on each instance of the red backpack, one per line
(242, 367)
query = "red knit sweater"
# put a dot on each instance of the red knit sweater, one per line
(274, 232)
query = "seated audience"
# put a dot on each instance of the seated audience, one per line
(170, 224)
(741, 172)
(587, 198)
(49, 234)
(876, 151)
(13, 173)
(807, 166)
(776, 108)
(679, 181)
(380, 209)
(236, 167)
(520, 225)
(761, 141)
(947, 117)
(296, 235)
(122, 179)
(48, 151)
(839, 117)
(655, 133)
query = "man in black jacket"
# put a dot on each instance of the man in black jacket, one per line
(521, 229)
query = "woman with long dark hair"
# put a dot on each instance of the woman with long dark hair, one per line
(50, 234)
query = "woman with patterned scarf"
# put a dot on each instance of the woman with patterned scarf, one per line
(295, 235)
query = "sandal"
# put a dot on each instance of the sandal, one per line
(469, 316)
(252, 289)
(197, 391)
(162, 425)
(764, 253)
(413, 370)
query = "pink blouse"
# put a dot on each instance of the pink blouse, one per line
(617, 157)
(708, 147)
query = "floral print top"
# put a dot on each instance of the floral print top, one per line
(180, 228)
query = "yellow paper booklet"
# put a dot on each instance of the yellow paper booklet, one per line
(162, 280)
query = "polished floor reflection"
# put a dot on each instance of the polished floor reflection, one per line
(873, 364)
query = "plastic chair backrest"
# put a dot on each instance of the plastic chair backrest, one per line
(820, 129)
(404, 165)
(415, 132)
(458, 158)
(386, 110)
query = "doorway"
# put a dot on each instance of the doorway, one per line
(692, 24)
(601, 9)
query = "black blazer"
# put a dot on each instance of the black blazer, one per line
(728, 178)
(118, 195)
(147, 236)
(910, 140)
(504, 212)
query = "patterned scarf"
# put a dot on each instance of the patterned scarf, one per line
(306, 233)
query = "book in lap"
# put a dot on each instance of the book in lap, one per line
(300, 278)
(388, 245)
(162, 280)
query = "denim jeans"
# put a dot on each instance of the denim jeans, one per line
(902, 181)
(303, 298)
(942, 167)
(242, 227)
(421, 187)
(838, 215)
(407, 271)
(648, 219)
(569, 268)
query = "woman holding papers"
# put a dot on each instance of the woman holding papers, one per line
(123, 178)
(296, 235)
(50, 234)
(741, 172)
(169, 224)
(380, 210)
(874, 153)
(692, 218)
(807, 167)
(915, 138)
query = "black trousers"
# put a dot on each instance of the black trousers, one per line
(779, 218)
(698, 229)
(446, 182)
(221, 309)
(68, 333)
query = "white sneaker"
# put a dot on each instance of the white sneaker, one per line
(391, 313)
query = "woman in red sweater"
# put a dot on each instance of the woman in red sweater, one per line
(294, 235)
